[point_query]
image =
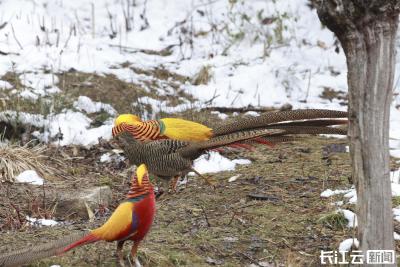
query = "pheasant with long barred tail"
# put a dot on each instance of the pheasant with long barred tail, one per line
(130, 221)
(174, 158)
(179, 129)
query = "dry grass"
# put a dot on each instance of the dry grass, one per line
(15, 159)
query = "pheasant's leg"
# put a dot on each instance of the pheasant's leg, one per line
(174, 183)
(134, 254)
(120, 254)
(208, 180)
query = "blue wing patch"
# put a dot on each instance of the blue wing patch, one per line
(135, 222)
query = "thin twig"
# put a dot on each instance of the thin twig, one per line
(206, 217)
(15, 37)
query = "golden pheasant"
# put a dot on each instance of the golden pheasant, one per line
(179, 129)
(308, 121)
(130, 221)
(174, 158)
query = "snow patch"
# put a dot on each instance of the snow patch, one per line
(5, 85)
(395, 176)
(30, 177)
(350, 216)
(74, 128)
(328, 192)
(352, 196)
(252, 113)
(106, 157)
(347, 244)
(84, 103)
(220, 115)
(215, 162)
(396, 236)
(41, 222)
(109, 157)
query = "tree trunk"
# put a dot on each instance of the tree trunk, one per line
(367, 31)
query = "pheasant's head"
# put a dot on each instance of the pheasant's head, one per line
(140, 184)
(127, 118)
(142, 175)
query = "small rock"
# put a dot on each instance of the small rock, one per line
(230, 239)
(233, 178)
(261, 196)
(212, 261)
(74, 204)
(286, 106)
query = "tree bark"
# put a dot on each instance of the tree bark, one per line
(367, 30)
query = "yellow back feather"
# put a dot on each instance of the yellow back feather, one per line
(186, 130)
(127, 118)
(119, 221)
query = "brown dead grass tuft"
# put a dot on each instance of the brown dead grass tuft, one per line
(15, 159)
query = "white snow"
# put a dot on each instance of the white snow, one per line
(5, 85)
(75, 129)
(396, 236)
(161, 106)
(86, 104)
(41, 222)
(396, 213)
(395, 176)
(346, 244)
(350, 216)
(328, 192)
(352, 196)
(338, 203)
(252, 113)
(27, 94)
(215, 162)
(108, 157)
(30, 177)
(220, 115)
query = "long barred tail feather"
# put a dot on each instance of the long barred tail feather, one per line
(193, 150)
(271, 135)
(30, 254)
(266, 119)
(311, 123)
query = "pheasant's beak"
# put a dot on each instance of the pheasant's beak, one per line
(141, 172)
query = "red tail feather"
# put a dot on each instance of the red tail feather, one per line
(265, 142)
(90, 238)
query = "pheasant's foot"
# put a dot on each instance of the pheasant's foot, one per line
(134, 254)
(208, 179)
(120, 254)
(173, 184)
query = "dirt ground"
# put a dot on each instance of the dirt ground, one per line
(270, 214)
